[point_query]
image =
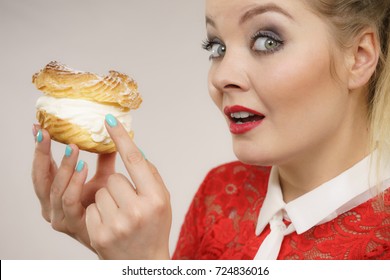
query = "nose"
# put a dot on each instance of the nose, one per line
(229, 73)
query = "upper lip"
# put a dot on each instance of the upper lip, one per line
(230, 111)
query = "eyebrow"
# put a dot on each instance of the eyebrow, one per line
(258, 10)
(262, 10)
(209, 21)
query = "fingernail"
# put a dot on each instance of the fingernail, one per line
(80, 165)
(39, 136)
(111, 120)
(142, 153)
(68, 151)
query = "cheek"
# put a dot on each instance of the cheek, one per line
(215, 95)
(305, 103)
(299, 83)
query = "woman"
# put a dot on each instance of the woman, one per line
(303, 86)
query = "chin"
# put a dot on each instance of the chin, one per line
(252, 156)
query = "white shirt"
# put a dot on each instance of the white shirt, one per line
(331, 199)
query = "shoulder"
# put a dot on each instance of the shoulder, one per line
(228, 199)
(368, 225)
(377, 206)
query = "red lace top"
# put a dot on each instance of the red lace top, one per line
(221, 222)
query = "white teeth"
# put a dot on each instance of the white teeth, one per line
(241, 115)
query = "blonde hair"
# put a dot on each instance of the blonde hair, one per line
(348, 18)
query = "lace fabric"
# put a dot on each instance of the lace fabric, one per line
(221, 222)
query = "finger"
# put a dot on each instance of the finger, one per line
(155, 173)
(106, 206)
(105, 164)
(35, 129)
(134, 161)
(105, 167)
(158, 177)
(42, 158)
(43, 168)
(93, 221)
(71, 200)
(62, 179)
(121, 190)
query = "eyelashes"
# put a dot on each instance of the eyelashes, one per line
(262, 42)
(207, 44)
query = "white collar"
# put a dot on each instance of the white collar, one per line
(342, 193)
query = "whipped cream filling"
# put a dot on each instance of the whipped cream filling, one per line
(88, 115)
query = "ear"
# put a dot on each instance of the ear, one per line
(364, 59)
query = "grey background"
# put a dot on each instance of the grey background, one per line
(178, 127)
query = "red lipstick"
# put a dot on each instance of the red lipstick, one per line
(242, 119)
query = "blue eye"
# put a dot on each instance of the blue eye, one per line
(216, 49)
(266, 42)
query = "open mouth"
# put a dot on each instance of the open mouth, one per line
(242, 119)
(245, 117)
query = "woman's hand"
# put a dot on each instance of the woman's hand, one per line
(130, 220)
(62, 191)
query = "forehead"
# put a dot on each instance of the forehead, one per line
(230, 9)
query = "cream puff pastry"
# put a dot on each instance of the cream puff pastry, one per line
(75, 103)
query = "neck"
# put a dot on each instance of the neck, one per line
(323, 162)
(299, 179)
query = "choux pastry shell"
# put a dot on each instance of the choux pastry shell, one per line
(74, 104)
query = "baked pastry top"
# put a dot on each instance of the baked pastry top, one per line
(58, 80)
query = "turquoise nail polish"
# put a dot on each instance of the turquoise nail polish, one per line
(142, 153)
(111, 120)
(39, 136)
(68, 151)
(80, 165)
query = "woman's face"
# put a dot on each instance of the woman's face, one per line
(271, 77)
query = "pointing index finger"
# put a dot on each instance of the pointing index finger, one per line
(132, 157)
